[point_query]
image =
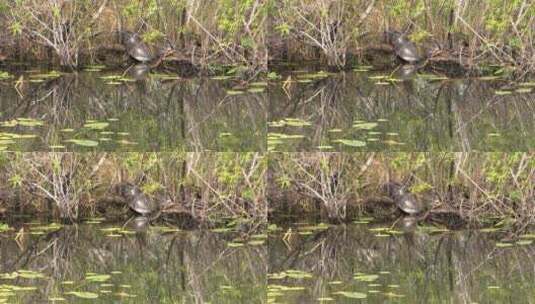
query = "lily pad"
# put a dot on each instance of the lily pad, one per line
(367, 277)
(352, 294)
(97, 125)
(365, 126)
(83, 142)
(351, 142)
(98, 277)
(83, 294)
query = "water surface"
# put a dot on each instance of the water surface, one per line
(361, 110)
(362, 263)
(105, 263)
(113, 111)
(384, 111)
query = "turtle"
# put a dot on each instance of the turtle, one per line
(139, 51)
(403, 47)
(404, 199)
(137, 200)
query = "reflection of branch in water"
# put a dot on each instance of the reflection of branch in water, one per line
(200, 267)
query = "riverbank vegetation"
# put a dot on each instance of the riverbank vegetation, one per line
(213, 187)
(73, 33)
(477, 187)
(249, 33)
(207, 188)
(466, 32)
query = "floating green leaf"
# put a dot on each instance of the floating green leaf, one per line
(83, 294)
(352, 294)
(28, 274)
(365, 126)
(98, 277)
(97, 125)
(351, 142)
(83, 142)
(367, 277)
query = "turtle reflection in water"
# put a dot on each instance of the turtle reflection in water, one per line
(138, 224)
(403, 198)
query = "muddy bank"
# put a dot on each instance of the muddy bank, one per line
(383, 58)
(452, 189)
(444, 188)
(182, 188)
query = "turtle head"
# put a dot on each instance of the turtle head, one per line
(390, 36)
(394, 38)
(127, 190)
(395, 189)
(127, 37)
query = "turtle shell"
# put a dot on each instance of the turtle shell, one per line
(403, 199)
(404, 48)
(408, 52)
(409, 204)
(136, 199)
(136, 47)
(142, 204)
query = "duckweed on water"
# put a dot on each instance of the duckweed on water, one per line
(365, 125)
(366, 277)
(351, 142)
(283, 288)
(21, 273)
(94, 125)
(291, 274)
(256, 90)
(378, 77)
(47, 228)
(234, 92)
(94, 277)
(83, 294)
(325, 299)
(235, 245)
(284, 136)
(290, 122)
(21, 121)
(334, 130)
(352, 294)
(49, 75)
(325, 147)
(83, 142)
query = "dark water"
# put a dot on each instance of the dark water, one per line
(342, 264)
(299, 111)
(100, 263)
(301, 263)
(362, 111)
(152, 113)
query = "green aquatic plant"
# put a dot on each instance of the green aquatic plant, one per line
(4, 227)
